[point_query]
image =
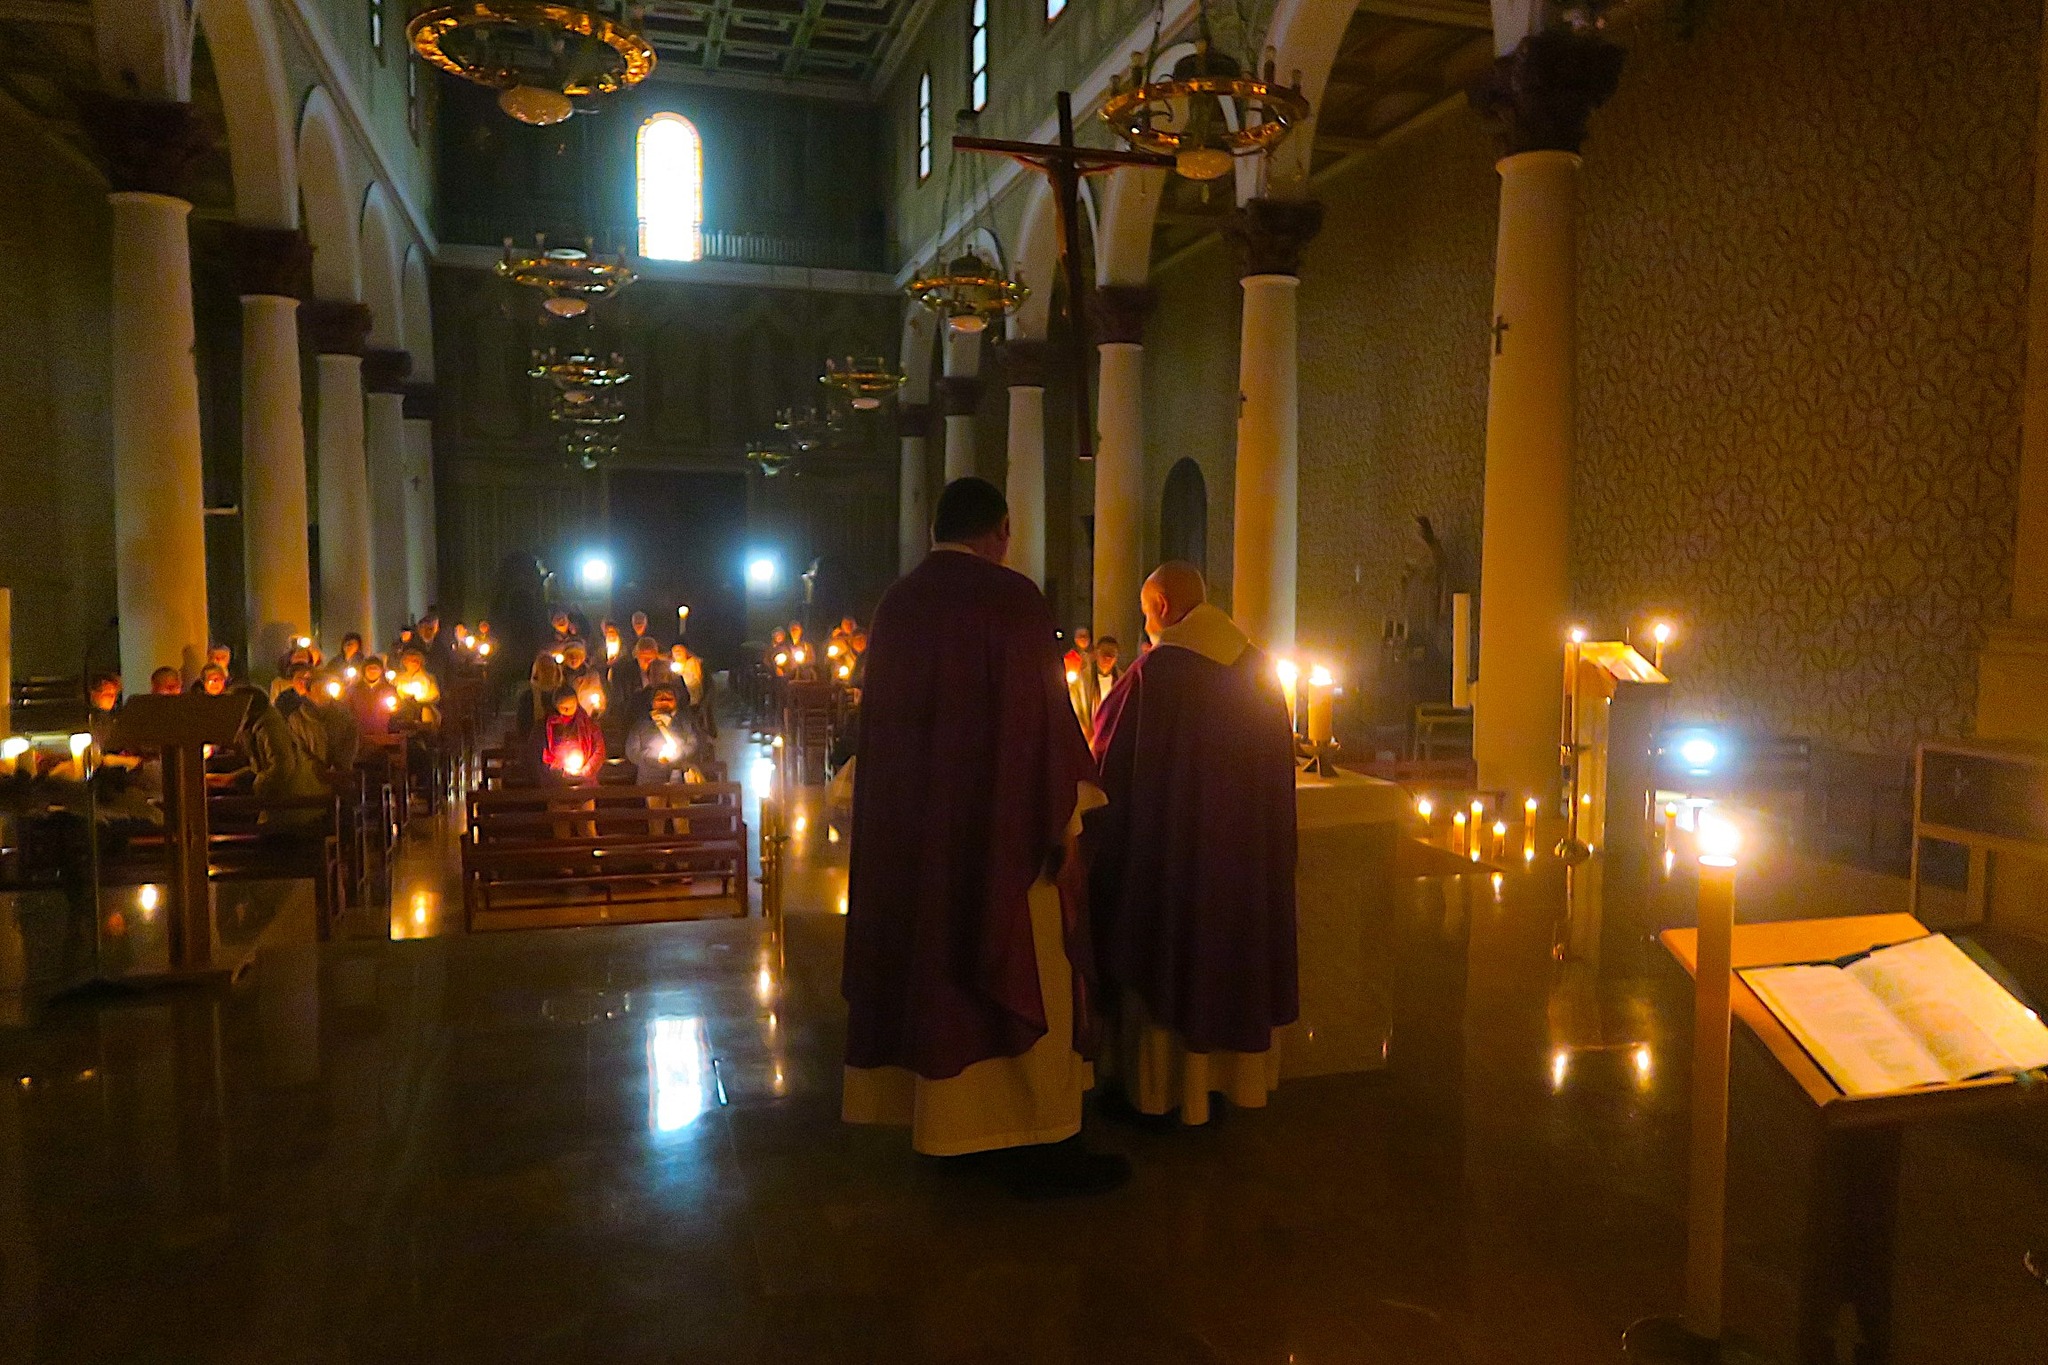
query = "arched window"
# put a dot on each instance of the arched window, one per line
(671, 189)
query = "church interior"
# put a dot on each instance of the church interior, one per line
(1622, 423)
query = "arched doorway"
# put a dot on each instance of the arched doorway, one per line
(1184, 516)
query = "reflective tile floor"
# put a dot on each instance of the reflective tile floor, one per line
(621, 1145)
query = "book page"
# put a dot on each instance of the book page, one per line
(1969, 1023)
(1847, 1029)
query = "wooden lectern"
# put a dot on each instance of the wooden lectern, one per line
(180, 728)
(1845, 1290)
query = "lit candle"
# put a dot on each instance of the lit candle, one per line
(1072, 677)
(1290, 676)
(1478, 817)
(670, 750)
(611, 648)
(572, 762)
(349, 672)
(1500, 837)
(1425, 808)
(1322, 705)
(1529, 830)
(483, 647)
(1713, 974)
(1660, 635)
(1458, 832)
(333, 689)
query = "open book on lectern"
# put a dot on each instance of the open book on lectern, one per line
(1914, 1014)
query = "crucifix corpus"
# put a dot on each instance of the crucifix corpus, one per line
(1064, 164)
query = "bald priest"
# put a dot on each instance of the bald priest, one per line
(1192, 859)
(964, 946)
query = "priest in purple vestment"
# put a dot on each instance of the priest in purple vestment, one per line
(1192, 859)
(965, 945)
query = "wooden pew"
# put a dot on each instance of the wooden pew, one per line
(554, 855)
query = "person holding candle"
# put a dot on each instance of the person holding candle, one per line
(662, 745)
(571, 744)
(1192, 888)
(371, 699)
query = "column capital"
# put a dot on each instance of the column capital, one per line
(1024, 362)
(1116, 314)
(1268, 235)
(960, 394)
(147, 146)
(913, 419)
(384, 370)
(1541, 94)
(420, 400)
(337, 326)
(273, 261)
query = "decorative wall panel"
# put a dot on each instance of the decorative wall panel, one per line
(1801, 345)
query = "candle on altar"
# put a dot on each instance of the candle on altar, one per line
(1478, 817)
(1290, 676)
(1529, 830)
(1458, 832)
(1500, 837)
(1660, 636)
(1322, 705)
(12, 750)
(1425, 808)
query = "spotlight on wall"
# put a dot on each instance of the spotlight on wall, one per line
(595, 572)
(763, 572)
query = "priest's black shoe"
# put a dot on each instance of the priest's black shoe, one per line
(1064, 1170)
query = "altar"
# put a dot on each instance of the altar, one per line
(1349, 829)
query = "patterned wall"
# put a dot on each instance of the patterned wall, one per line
(1801, 347)
(1803, 262)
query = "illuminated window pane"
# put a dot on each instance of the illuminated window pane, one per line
(924, 125)
(1053, 9)
(977, 56)
(671, 189)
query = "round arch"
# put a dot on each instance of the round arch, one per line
(1304, 36)
(262, 156)
(1184, 515)
(330, 206)
(419, 314)
(383, 266)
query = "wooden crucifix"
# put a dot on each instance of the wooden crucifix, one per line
(1065, 164)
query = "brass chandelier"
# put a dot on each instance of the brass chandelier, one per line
(865, 380)
(771, 457)
(578, 375)
(541, 58)
(1207, 113)
(572, 278)
(969, 293)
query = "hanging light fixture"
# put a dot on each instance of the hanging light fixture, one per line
(865, 380)
(540, 58)
(969, 290)
(577, 373)
(1208, 112)
(769, 456)
(969, 293)
(572, 278)
(802, 430)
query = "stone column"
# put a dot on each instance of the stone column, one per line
(159, 494)
(960, 391)
(913, 514)
(340, 330)
(1269, 235)
(276, 269)
(1541, 94)
(1024, 372)
(422, 530)
(1119, 328)
(384, 373)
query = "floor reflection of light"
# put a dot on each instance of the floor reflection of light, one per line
(1560, 1067)
(678, 1073)
(764, 984)
(842, 902)
(1644, 1063)
(779, 1084)
(1499, 881)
